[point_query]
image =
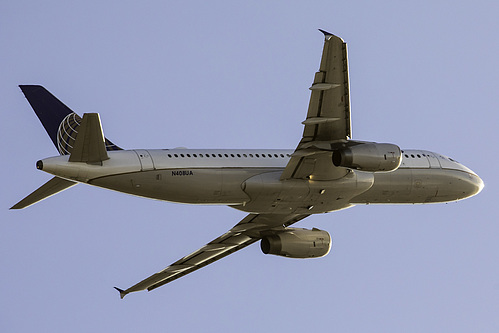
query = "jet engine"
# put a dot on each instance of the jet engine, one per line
(297, 243)
(369, 156)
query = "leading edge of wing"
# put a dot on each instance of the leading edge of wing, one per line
(245, 233)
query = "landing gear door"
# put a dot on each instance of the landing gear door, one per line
(145, 159)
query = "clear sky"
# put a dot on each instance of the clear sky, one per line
(231, 74)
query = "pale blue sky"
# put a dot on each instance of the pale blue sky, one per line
(225, 74)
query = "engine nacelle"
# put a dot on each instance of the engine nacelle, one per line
(369, 156)
(297, 243)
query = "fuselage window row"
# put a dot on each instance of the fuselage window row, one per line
(418, 155)
(227, 155)
(427, 155)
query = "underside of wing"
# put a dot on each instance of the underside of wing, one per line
(245, 233)
(328, 117)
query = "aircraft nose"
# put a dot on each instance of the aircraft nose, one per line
(479, 184)
(475, 185)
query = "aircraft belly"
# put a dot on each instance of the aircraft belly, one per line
(195, 186)
(389, 187)
(269, 194)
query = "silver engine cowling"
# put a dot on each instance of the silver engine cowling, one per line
(297, 243)
(369, 156)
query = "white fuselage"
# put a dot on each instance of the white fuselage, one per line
(249, 180)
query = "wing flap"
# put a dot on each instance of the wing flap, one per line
(208, 260)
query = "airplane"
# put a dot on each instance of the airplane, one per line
(327, 171)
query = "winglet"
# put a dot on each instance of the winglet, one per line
(328, 35)
(122, 292)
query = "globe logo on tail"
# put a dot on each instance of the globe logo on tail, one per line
(66, 134)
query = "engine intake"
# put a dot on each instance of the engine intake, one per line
(374, 157)
(297, 243)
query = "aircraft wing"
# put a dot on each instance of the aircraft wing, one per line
(328, 117)
(251, 229)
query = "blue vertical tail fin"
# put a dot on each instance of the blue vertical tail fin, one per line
(60, 122)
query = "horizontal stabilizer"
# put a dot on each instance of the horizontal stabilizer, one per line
(53, 186)
(89, 145)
